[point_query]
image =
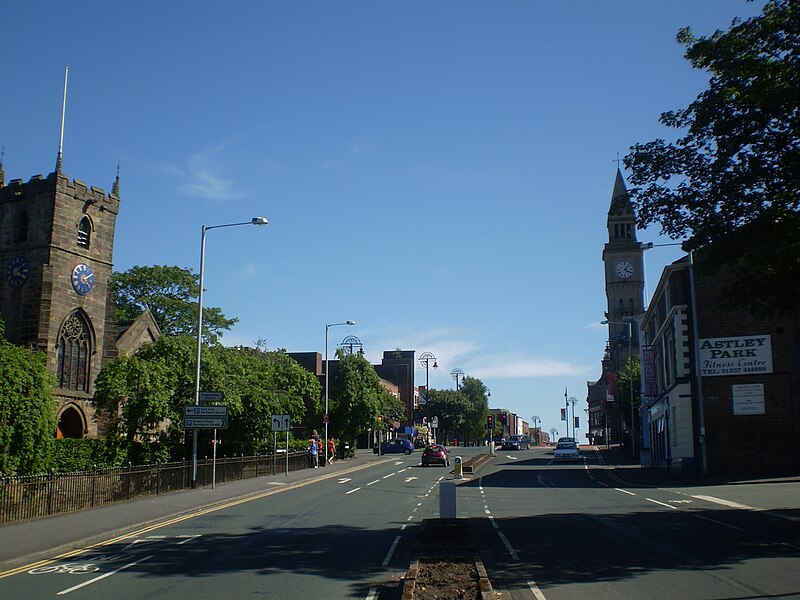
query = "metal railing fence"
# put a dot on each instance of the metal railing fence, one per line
(30, 497)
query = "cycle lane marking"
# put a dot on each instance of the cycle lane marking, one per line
(103, 576)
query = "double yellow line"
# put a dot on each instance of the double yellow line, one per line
(183, 517)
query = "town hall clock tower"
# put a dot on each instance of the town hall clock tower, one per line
(623, 256)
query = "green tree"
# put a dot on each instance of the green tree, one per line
(145, 395)
(357, 397)
(734, 177)
(450, 407)
(392, 408)
(477, 409)
(27, 410)
(623, 396)
(171, 294)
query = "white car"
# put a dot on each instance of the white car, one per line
(566, 451)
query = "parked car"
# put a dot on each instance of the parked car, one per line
(398, 446)
(420, 443)
(566, 451)
(435, 454)
(517, 442)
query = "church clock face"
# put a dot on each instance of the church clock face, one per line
(18, 271)
(82, 279)
(624, 269)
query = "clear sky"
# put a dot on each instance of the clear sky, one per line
(439, 172)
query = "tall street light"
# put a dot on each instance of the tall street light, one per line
(327, 418)
(536, 420)
(629, 323)
(425, 360)
(253, 221)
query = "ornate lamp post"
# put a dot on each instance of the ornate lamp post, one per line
(536, 420)
(425, 359)
(456, 374)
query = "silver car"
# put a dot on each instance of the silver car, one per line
(566, 451)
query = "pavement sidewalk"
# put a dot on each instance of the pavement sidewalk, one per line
(28, 541)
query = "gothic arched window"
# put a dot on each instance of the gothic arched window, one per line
(84, 232)
(74, 353)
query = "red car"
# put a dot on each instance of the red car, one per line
(435, 454)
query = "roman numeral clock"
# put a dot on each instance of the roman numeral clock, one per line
(82, 279)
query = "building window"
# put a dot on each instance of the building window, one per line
(74, 353)
(21, 227)
(84, 232)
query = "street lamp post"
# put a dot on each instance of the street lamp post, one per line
(536, 420)
(629, 323)
(425, 360)
(456, 374)
(327, 418)
(253, 221)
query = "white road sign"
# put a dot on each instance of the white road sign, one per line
(210, 397)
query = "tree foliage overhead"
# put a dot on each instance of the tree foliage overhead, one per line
(171, 294)
(733, 178)
(27, 410)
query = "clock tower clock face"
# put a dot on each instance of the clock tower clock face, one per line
(624, 269)
(18, 271)
(82, 279)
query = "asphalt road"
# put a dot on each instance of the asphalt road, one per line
(545, 531)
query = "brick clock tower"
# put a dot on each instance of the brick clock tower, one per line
(56, 245)
(623, 256)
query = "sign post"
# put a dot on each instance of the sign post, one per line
(280, 423)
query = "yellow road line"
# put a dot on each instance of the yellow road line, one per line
(177, 519)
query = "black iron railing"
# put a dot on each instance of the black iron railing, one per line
(30, 497)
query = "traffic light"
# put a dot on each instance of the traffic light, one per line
(504, 418)
(490, 422)
(380, 418)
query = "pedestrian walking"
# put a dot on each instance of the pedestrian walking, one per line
(331, 450)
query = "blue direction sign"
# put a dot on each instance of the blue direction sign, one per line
(196, 416)
(205, 423)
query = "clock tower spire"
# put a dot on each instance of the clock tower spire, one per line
(623, 257)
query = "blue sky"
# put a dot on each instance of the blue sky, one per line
(439, 172)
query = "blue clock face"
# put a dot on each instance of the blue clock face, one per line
(82, 279)
(18, 271)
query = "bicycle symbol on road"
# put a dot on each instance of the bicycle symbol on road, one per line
(71, 568)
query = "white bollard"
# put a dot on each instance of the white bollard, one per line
(447, 500)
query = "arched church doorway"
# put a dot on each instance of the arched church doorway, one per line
(70, 424)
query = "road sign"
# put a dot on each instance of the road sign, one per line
(195, 410)
(210, 396)
(205, 423)
(281, 423)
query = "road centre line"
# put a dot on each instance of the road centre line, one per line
(727, 503)
(391, 551)
(625, 491)
(373, 482)
(109, 574)
(661, 503)
(353, 490)
(536, 591)
(505, 541)
(389, 475)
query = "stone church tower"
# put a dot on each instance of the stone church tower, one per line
(56, 245)
(623, 256)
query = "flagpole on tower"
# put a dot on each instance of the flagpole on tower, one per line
(63, 112)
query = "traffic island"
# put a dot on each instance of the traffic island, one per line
(446, 564)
